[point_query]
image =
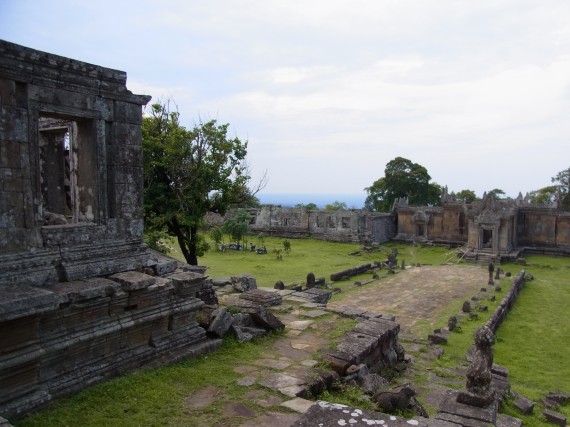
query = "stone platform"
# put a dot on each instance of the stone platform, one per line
(60, 338)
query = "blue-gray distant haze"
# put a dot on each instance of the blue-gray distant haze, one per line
(289, 200)
(327, 92)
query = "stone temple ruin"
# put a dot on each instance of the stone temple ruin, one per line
(81, 297)
(489, 229)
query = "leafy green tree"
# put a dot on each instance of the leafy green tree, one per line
(496, 193)
(287, 246)
(188, 173)
(336, 206)
(237, 226)
(543, 196)
(402, 178)
(308, 206)
(563, 180)
(217, 235)
(466, 196)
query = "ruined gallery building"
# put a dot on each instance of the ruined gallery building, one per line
(486, 229)
(82, 298)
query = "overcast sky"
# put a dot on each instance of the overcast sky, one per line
(328, 92)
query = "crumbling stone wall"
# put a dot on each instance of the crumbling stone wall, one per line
(81, 297)
(340, 226)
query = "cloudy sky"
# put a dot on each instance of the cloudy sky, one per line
(328, 92)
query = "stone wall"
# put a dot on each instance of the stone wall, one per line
(100, 230)
(339, 226)
(507, 303)
(82, 299)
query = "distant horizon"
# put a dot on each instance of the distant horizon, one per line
(352, 200)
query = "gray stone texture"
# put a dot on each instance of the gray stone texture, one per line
(332, 414)
(65, 326)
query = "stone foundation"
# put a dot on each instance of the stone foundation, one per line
(59, 339)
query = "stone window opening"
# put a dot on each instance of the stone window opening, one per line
(345, 221)
(68, 171)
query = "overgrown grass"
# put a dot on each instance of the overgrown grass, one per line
(534, 342)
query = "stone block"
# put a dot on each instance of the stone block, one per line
(24, 301)
(334, 414)
(220, 322)
(187, 283)
(554, 417)
(82, 290)
(523, 405)
(264, 318)
(486, 415)
(504, 420)
(133, 280)
(244, 283)
(261, 297)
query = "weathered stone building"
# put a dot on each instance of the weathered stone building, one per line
(81, 297)
(490, 228)
(339, 226)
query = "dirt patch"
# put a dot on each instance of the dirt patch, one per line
(416, 294)
(203, 397)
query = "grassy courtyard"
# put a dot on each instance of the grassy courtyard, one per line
(533, 343)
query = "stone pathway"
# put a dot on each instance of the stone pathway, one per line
(414, 295)
(281, 373)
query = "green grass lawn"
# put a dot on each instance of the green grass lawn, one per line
(307, 255)
(533, 343)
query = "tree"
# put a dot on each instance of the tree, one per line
(307, 207)
(496, 193)
(237, 226)
(336, 206)
(543, 196)
(402, 178)
(217, 235)
(466, 196)
(563, 180)
(188, 173)
(287, 246)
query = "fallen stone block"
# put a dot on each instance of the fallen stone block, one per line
(262, 297)
(524, 405)
(244, 283)
(220, 322)
(264, 318)
(559, 397)
(504, 420)
(554, 417)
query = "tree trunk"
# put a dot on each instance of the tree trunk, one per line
(192, 256)
(185, 245)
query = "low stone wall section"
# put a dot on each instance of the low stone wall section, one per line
(507, 303)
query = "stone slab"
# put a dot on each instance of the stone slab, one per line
(273, 363)
(298, 404)
(262, 297)
(133, 280)
(487, 415)
(299, 325)
(314, 313)
(272, 419)
(504, 420)
(331, 414)
(283, 383)
(24, 300)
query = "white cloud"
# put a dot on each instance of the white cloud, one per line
(475, 91)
